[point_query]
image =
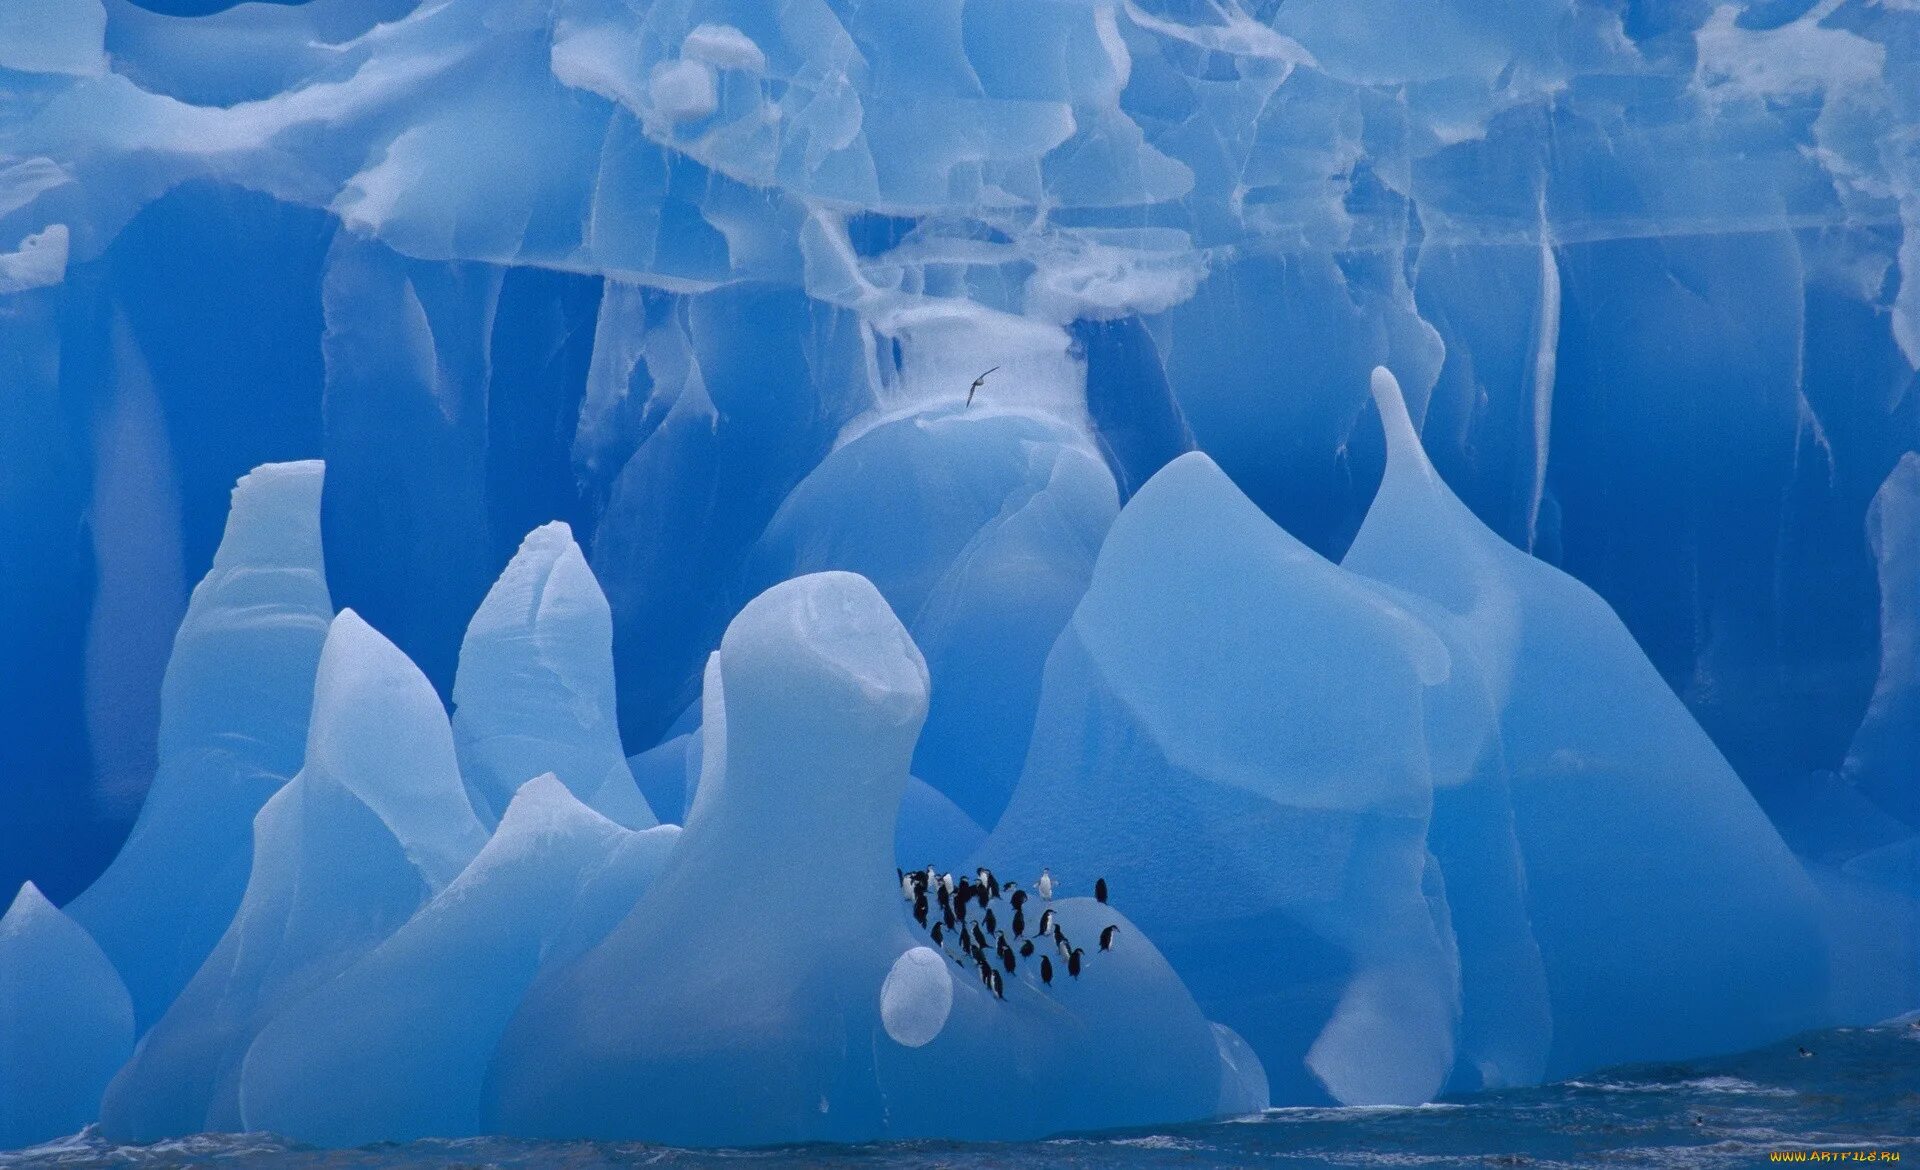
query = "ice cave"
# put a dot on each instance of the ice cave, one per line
(703, 572)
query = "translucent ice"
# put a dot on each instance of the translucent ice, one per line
(979, 526)
(233, 729)
(374, 825)
(1230, 732)
(66, 1023)
(768, 987)
(534, 693)
(1637, 839)
(397, 1046)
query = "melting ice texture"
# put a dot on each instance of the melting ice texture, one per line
(631, 332)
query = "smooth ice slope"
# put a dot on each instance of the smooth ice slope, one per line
(1230, 732)
(979, 526)
(1671, 918)
(233, 728)
(757, 993)
(66, 1023)
(374, 825)
(397, 1047)
(535, 692)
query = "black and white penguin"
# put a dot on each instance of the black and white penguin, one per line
(987, 880)
(1106, 937)
(946, 899)
(937, 934)
(1100, 891)
(1073, 963)
(1805, 1051)
(946, 916)
(1046, 969)
(989, 920)
(1018, 898)
(920, 909)
(1026, 948)
(1045, 885)
(1046, 922)
(979, 940)
(1060, 942)
(1019, 922)
(962, 890)
(999, 988)
(906, 884)
(960, 908)
(1007, 959)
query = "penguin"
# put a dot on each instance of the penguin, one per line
(1060, 942)
(1100, 891)
(999, 988)
(1026, 948)
(946, 882)
(1007, 959)
(1019, 922)
(946, 916)
(920, 910)
(960, 908)
(1045, 885)
(937, 934)
(946, 899)
(1106, 937)
(987, 880)
(989, 920)
(1046, 970)
(1046, 922)
(979, 940)
(1018, 898)
(1805, 1051)
(980, 893)
(1073, 963)
(962, 890)
(906, 884)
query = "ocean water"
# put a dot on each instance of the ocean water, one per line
(1858, 1094)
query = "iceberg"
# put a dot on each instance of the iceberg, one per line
(1230, 732)
(1637, 838)
(534, 693)
(397, 1046)
(66, 1023)
(233, 730)
(374, 825)
(769, 987)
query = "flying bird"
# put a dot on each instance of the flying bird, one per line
(977, 383)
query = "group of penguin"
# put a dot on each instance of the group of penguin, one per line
(942, 906)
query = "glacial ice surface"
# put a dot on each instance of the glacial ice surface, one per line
(1460, 751)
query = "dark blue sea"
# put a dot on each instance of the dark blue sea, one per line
(1854, 1102)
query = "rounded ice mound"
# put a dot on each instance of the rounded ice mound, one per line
(917, 996)
(724, 1009)
(770, 988)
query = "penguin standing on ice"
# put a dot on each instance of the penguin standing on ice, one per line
(1045, 885)
(1100, 891)
(1073, 963)
(1060, 942)
(1019, 922)
(989, 920)
(1106, 937)
(920, 910)
(1046, 970)
(987, 879)
(1046, 923)
(1018, 898)
(1026, 948)
(937, 934)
